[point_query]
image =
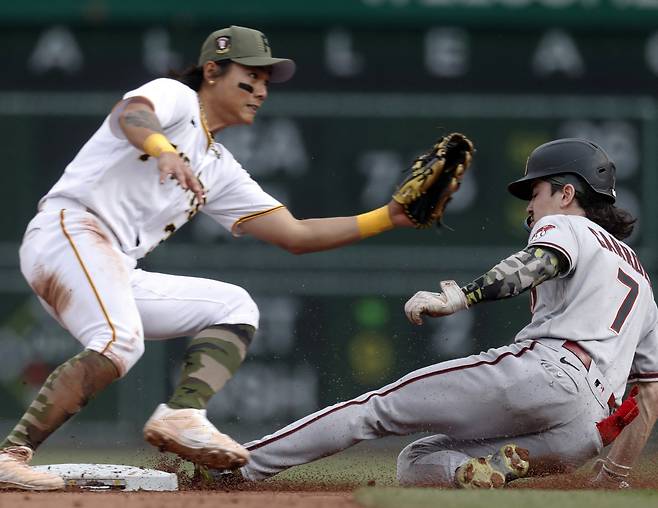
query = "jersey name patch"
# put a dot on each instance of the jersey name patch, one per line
(608, 242)
(542, 231)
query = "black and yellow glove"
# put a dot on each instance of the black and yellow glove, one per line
(433, 178)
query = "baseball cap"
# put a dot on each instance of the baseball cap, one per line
(247, 47)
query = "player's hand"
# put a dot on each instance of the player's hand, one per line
(398, 217)
(606, 478)
(171, 165)
(426, 303)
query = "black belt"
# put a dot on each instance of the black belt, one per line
(586, 360)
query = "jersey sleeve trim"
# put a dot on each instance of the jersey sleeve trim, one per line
(246, 218)
(643, 378)
(558, 248)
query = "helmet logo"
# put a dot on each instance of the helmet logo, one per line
(223, 44)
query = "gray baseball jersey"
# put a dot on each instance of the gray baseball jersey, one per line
(604, 300)
(535, 392)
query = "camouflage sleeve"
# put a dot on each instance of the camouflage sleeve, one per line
(516, 274)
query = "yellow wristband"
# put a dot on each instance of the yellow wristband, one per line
(156, 144)
(374, 222)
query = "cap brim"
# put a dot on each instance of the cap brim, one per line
(522, 188)
(282, 68)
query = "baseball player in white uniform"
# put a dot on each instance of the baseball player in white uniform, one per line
(150, 167)
(541, 404)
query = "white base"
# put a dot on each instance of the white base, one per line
(113, 477)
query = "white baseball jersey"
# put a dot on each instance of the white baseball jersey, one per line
(604, 300)
(120, 184)
(109, 209)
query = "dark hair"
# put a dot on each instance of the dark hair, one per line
(616, 221)
(192, 76)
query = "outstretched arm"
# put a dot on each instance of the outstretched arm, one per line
(419, 200)
(614, 469)
(512, 276)
(311, 235)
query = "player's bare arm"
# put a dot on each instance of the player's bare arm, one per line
(419, 201)
(297, 236)
(512, 276)
(614, 470)
(142, 129)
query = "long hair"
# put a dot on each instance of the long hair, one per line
(192, 76)
(616, 221)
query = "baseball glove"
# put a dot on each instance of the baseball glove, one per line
(433, 178)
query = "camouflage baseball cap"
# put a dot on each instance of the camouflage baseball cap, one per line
(247, 47)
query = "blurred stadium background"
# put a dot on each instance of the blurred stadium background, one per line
(377, 80)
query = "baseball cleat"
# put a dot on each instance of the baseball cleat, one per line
(15, 473)
(189, 434)
(222, 479)
(493, 471)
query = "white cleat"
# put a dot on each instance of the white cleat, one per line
(493, 471)
(15, 473)
(189, 434)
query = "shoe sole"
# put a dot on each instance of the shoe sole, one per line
(23, 486)
(210, 457)
(516, 461)
(509, 463)
(478, 474)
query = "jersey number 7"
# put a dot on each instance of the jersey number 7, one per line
(629, 301)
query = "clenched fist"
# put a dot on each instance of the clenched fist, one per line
(449, 301)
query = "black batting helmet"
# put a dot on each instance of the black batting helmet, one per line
(572, 156)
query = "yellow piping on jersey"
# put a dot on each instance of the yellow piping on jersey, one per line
(91, 283)
(246, 218)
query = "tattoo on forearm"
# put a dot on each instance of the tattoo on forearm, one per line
(142, 118)
(514, 275)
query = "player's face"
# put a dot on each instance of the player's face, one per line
(543, 203)
(240, 93)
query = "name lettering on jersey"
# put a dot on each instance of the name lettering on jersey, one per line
(610, 243)
(542, 231)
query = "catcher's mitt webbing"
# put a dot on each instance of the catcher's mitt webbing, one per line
(374, 222)
(433, 178)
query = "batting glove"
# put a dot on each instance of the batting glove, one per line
(610, 475)
(449, 301)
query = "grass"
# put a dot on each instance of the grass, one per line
(359, 466)
(370, 473)
(135, 457)
(420, 498)
(352, 467)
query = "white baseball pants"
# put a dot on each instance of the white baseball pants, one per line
(75, 265)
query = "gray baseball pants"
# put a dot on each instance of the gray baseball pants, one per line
(533, 393)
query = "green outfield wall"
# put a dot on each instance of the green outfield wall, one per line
(365, 13)
(366, 99)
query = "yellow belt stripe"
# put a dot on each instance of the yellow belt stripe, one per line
(91, 283)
